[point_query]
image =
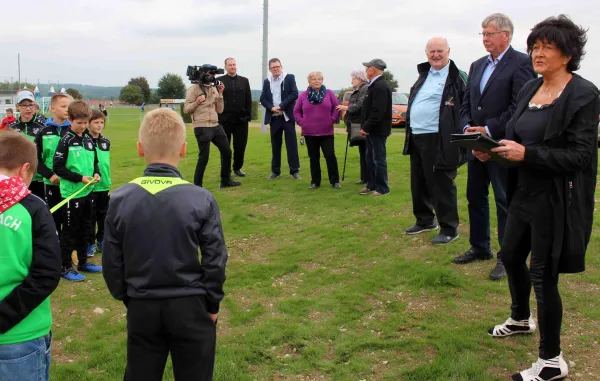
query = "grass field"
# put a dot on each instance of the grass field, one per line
(325, 285)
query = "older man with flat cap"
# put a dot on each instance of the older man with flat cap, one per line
(376, 126)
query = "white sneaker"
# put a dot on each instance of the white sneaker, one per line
(545, 370)
(513, 327)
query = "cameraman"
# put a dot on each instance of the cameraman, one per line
(204, 102)
(237, 112)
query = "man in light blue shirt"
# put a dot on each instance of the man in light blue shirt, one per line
(433, 115)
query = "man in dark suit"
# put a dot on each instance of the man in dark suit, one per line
(490, 100)
(278, 97)
(237, 112)
(377, 126)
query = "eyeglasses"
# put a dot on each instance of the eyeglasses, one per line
(490, 34)
(28, 105)
(275, 67)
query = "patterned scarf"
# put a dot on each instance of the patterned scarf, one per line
(316, 96)
(12, 190)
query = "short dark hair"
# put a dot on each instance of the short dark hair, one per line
(272, 60)
(79, 110)
(569, 38)
(9, 110)
(97, 114)
(227, 59)
(16, 150)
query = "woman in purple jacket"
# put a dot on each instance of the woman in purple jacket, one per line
(316, 113)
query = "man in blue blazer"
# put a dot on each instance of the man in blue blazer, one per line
(278, 97)
(489, 102)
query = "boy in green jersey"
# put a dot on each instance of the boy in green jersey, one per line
(76, 163)
(99, 195)
(29, 265)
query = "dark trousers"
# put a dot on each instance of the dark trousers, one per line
(525, 235)
(478, 182)
(278, 128)
(53, 198)
(362, 151)
(99, 201)
(315, 144)
(216, 135)
(432, 190)
(77, 214)
(377, 174)
(179, 326)
(37, 188)
(239, 133)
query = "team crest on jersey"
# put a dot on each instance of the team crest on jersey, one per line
(90, 146)
(36, 131)
(103, 145)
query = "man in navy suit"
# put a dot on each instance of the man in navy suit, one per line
(489, 102)
(278, 97)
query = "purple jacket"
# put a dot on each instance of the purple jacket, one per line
(316, 119)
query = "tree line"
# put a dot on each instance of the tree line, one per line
(138, 90)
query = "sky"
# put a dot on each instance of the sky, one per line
(106, 43)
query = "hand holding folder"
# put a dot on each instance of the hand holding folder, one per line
(478, 141)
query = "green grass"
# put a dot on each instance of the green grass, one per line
(324, 285)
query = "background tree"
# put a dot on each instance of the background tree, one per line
(171, 86)
(342, 92)
(142, 82)
(131, 94)
(154, 98)
(74, 93)
(390, 78)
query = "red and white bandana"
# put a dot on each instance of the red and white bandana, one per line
(12, 190)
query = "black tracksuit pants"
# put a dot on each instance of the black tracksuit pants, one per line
(53, 198)
(432, 190)
(99, 201)
(179, 326)
(239, 133)
(529, 229)
(77, 214)
(315, 144)
(216, 135)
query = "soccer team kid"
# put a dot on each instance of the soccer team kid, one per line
(155, 227)
(99, 195)
(46, 142)
(10, 117)
(29, 123)
(76, 163)
(29, 265)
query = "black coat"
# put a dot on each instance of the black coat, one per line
(238, 100)
(377, 109)
(569, 156)
(448, 156)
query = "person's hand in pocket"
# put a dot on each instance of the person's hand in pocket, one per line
(213, 317)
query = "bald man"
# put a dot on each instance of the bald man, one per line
(433, 115)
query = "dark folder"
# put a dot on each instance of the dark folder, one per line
(478, 141)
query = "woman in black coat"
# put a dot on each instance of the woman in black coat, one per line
(553, 138)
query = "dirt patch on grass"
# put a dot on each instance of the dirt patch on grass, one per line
(252, 249)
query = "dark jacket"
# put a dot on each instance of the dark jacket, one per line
(238, 100)
(289, 94)
(46, 142)
(494, 107)
(154, 228)
(355, 104)
(29, 129)
(448, 156)
(377, 108)
(569, 157)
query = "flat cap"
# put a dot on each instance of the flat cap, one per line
(376, 63)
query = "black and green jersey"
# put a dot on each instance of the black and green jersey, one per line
(102, 145)
(29, 272)
(74, 158)
(46, 142)
(30, 130)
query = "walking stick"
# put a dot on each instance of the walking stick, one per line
(345, 158)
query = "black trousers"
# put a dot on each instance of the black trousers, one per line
(99, 201)
(377, 173)
(37, 188)
(478, 183)
(526, 232)
(179, 326)
(53, 198)
(362, 151)
(432, 190)
(315, 144)
(77, 216)
(216, 135)
(238, 132)
(278, 128)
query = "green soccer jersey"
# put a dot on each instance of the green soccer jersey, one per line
(75, 157)
(46, 141)
(103, 151)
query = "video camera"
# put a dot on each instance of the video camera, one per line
(204, 75)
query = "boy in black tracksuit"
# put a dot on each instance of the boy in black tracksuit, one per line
(154, 228)
(76, 162)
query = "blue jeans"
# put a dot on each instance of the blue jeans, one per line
(377, 173)
(28, 361)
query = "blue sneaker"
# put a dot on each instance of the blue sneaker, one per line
(99, 246)
(90, 268)
(91, 250)
(72, 275)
